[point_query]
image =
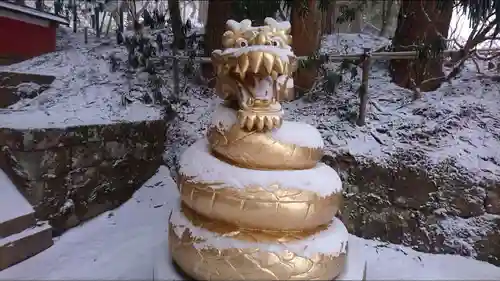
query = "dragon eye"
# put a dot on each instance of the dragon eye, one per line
(240, 42)
(274, 43)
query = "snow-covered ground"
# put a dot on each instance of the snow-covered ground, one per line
(123, 244)
(85, 90)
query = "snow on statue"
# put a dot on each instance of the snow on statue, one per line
(256, 204)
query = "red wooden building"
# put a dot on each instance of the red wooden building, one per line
(26, 32)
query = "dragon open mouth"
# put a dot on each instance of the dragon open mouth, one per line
(259, 62)
(254, 70)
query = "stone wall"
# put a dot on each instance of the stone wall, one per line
(437, 210)
(14, 86)
(73, 174)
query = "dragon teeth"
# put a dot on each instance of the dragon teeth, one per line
(278, 65)
(255, 61)
(243, 63)
(268, 62)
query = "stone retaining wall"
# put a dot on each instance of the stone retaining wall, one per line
(11, 92)
(73, 174)
(438, 212)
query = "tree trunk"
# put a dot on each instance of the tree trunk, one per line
(324, 21)
(75, 15)
(176, 21)
(386, 17)
(331, 17)
(219, 11)
(39, 5)
(306, 37)
(202, 12)
(327, 19)
(358, 23)
(414, 28)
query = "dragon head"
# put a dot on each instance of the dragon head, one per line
(254, 71)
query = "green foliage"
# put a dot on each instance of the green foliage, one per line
(311, 60)
(141, 49)
(304, 5)
(479, 11)
(256, 10)
(348, 12)
(303, 8)
(333, 78)
(323, 4)
(189, 69)
(431, 50)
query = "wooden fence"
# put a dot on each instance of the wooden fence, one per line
(365, 59)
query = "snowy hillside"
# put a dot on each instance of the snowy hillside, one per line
(85, 91)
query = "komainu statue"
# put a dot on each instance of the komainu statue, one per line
(256, 204)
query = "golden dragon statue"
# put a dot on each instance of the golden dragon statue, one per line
(253, 76)
(256, 203)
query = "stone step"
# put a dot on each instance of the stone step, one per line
(25, 244)
(16, 214)
(20, 235)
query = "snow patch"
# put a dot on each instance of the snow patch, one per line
(331, 241)
(85, 91)
(463, 233)
(12, 203)
(351, 43)
(199, 165)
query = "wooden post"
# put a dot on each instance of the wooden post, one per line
(39, 5)
(73, 6)
(102, 22)
(331, 17)
(357, 24)
(57, 7)
(176, 77)
(119, 31)
(120, 24)
(86, 34)
(203, 12)
(109, 23)
(363, 90)
(96, 18)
